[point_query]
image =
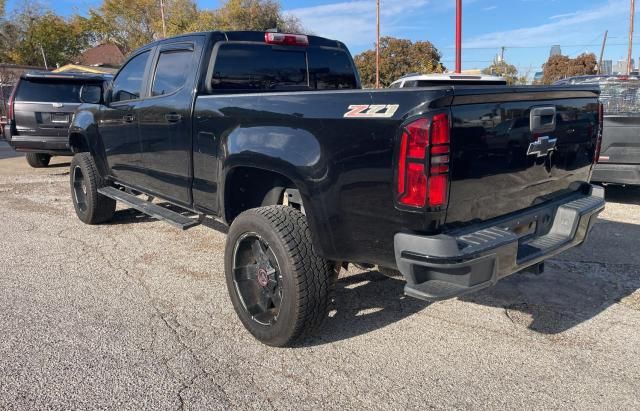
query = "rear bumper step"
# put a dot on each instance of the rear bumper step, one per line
(41, 144)
(616, 173)
(449, 265)
(149, 208)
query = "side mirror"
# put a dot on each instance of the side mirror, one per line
(91, 94)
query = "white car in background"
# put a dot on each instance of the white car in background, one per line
(447, 79)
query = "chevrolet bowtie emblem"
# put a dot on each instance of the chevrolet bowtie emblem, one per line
(542, 146)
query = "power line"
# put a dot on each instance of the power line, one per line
(534, 47)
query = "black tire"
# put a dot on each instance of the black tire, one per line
(304, 279)
(38, 160)
(91, 207)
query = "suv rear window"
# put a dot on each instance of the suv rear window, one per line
(262, 67)
(49, 91)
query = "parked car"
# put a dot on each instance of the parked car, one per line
(41, 107)
(447, 79)
(271, 133)
(619, 159)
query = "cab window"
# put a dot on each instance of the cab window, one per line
(128, 83)
(172, 71)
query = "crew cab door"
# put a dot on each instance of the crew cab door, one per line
(118, 124)
(165, 119)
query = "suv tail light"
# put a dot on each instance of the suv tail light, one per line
(423, 163)
(10, 111)
(600, 131)
(286, 39)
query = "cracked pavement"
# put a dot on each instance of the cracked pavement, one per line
(135, 314)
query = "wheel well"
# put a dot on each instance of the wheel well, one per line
(77, 143)
(248, 187)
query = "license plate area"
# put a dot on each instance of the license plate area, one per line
(532, 226)
(59, 118)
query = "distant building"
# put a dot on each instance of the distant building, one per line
(555, 51)
(607, 67)
(104, 55)
(621, 67)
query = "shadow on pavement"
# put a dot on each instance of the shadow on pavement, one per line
(7, 152)
(365, 302)
(576, 286)
(623, 195)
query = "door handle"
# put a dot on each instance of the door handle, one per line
(543, 119)
(129, 118)
(173, 117)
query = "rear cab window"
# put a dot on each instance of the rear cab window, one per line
(172, 71)
(257, 67)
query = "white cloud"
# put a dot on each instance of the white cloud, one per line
(354, 22)
(489, 8)
(573, 27)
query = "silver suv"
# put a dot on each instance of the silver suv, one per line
(40, 111)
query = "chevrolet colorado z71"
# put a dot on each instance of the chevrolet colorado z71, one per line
(454, 187)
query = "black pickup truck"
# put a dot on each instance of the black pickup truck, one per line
(455, 187)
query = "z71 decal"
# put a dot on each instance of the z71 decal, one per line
(371, 111)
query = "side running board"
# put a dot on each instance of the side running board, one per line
(147, 207)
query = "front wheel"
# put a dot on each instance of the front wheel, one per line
(38, 160)
(280, 288)
(91, 207)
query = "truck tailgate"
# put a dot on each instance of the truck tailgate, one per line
(517, 147)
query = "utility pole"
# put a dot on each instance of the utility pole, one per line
(377, 43)
(458, 36)
(44, 57)
(604, 43)
(164, 27)
(629, 57)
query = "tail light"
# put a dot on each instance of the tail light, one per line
(423, 163)
(600, 131)
(10, 111)
(286, 39)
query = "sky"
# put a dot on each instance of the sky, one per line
(526, 28)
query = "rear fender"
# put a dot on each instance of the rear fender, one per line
(84, 136)
(294, 153)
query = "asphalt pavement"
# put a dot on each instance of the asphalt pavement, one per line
(134, 314)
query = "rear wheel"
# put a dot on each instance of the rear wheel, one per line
(280, 288)
(38, 160)
(91, 207)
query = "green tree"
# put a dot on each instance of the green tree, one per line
(559, 67)
(35, 31)
(255, 15)
(129, 24)
(132, 24)
(503, 69)
(397, 58)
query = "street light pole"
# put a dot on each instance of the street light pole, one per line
(629, 57)
(604, 43)
(377, 43)
(458, 36)
(164, 27)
